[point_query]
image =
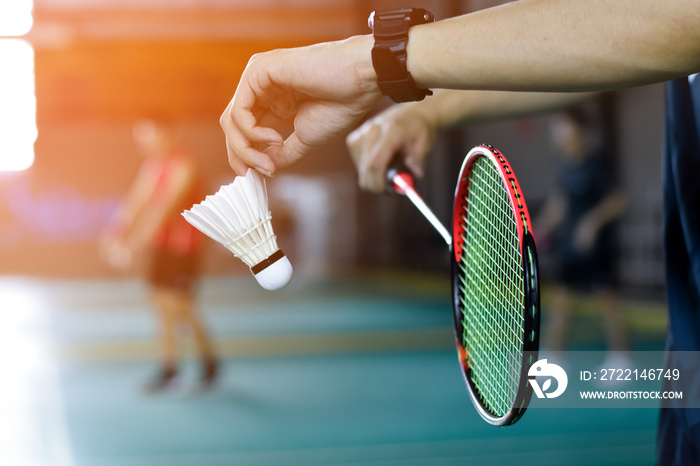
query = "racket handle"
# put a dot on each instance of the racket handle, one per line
(402, 182)
(391, 182)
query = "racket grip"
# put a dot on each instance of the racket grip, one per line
(391, 184)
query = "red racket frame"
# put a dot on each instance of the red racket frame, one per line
(531, 310)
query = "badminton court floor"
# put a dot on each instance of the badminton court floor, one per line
(355, 371)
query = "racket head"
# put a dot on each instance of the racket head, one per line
(494, 286)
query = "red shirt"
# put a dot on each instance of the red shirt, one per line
(176, 234)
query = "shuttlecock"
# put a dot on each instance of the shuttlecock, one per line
(237, 216)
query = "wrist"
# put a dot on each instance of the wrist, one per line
(364, 71)
(442, 110)
(426, 112)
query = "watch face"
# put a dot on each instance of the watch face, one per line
(411, 16)
(390, 29)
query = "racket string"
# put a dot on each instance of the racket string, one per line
(492, 264)
(513, 294)
(492, 290)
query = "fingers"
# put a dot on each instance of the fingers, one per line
(242, 128)
(415, 154)
(284, 107)
(373, 146)
(322, 93)
(242, 154)
(243, 151)
(293, 149)
(366, 152)
(399, 131)
(380, 149)
(241, 115)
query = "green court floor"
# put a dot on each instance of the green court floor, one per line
(356, 371)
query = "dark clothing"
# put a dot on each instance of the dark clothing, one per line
(176, 234)
(678, 443)
(679, 427)
(176, 246)
(584, 185)
(682, 213)
(173, 270)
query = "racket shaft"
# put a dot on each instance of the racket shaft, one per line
(423, 208)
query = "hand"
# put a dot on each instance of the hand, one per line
(324, 88)
(115, 252)
(585, 234)
(403, 131)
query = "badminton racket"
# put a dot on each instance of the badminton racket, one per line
(494, 281)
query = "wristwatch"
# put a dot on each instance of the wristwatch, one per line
(390, 30)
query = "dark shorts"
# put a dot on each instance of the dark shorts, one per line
(173, 271)
(589, 271)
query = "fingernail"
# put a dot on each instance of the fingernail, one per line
(416, 169)
(275, 143)
(264, 172)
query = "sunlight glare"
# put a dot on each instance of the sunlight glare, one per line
(15, 17)
(18, 129)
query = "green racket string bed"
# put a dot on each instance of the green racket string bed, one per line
(494, 282)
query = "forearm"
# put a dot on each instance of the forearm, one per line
(410, 128)
(608, 210)
(121, 224)
(145, 230)
(448, 107)
(552, 214)
(559, 45)
(151, 220)
(528, 45)
(131, 209)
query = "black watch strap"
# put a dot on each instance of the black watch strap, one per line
(389, 56)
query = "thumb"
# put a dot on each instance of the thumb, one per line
(289, 152)
(415, 153)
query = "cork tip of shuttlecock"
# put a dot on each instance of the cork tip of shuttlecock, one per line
(274, 273)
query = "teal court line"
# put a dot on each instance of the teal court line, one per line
(241, 346)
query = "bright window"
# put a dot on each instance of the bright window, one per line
(17, 105)
(15, 17)
(17, 98)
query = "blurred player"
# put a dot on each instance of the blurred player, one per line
(149, 222)
(579, 218)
